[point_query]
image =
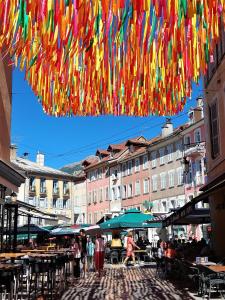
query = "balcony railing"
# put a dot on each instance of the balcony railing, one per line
(56, 192)
(32, 190)
(43, 191)
(194, 149)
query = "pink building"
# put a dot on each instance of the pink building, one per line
(135, 183)
(194, 152)
(97, 186)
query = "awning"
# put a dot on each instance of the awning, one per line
(22, 237)
(189, 213)
(214, 185)
(10, 177)
(130, 219)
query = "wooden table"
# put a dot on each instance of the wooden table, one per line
(11, 255)
(217, 268)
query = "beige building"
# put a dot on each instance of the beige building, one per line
(166, 169)
(48, 189)
(215, 144)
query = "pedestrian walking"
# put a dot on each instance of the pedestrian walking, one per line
(99, 254)
(90, 253)
(83, 251)
(130, 248)
(76, 247)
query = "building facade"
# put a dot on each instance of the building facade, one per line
(48, 189)
(80, 199)
(215, 144)
(135, 183)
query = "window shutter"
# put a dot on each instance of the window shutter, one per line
(214, 129)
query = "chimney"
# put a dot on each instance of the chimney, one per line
(40, 160)
(199, 101)
(167, 128)
(13, 152)
(197, 113)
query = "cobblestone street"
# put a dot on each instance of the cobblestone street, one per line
(127, 283)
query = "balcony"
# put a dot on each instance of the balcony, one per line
(32, 191)
(55, 192)
(193, 150)
(66, 193)
(43, 192)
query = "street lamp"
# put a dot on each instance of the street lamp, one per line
(13, 197)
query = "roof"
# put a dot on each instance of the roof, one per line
(133, 154)
(102, 152)
(138, 141)
(34, 168)
(114, 147)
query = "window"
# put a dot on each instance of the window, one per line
(43, 185)
(153, 159)
(137, 188)
(55, 186)
(199, 178)
(215, 149)
(118, 192)
(32, 201)
(90, 218)
(197, 135)
(65, 203)
(106, 193)
(101, 195)
(178, 150)
(124, 192)
(137, 164)
(162, 157)
(145, 162)
(32, 184)
(124, 169)
(154, 183)
(173, 204)
(187, 140)
(89, 198)
(171, 178)
(146, 186)
(114, 194)
(129, 190)
(65, 188)
(54, 203)
(179, 176)
(92, 176)
(163, 181)
(164, 206)
(94, 195)
(99, 173)
(129, 171)
(170, 153)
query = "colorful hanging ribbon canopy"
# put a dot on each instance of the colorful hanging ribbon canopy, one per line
(120, 57)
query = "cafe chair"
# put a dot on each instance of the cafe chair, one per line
(114, 257)
(213, 283)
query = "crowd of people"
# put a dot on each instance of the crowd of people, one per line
(183, 249)
(87, 253)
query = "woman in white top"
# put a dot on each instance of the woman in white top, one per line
(99, 254)
(76, 246)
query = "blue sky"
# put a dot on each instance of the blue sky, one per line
(66, 140)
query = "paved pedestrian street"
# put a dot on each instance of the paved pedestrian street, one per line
(131, 283)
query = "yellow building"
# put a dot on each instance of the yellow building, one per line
(50, 190)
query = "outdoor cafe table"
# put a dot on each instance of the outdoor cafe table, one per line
(11, 256)
(217, 268)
